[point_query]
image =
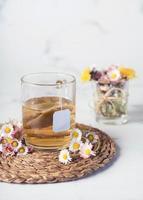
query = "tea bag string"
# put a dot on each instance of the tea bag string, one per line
(59, 88)
(107, 98)
(60, 99)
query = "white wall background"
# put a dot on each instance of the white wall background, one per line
(66, 35)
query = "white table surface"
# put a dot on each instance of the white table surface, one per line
(51, 35)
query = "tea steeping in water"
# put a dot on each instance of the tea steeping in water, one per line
(38, 122)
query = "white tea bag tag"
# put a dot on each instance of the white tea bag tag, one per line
(61, 120)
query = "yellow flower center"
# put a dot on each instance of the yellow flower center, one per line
(113, 76)
(90, 137)
(87, 151)
(15, 144)
(76, 146)
(21, 150)
(7, 130)
(75, 134)
(65, 156)
(6, 140)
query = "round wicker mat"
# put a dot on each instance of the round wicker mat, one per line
(44, 167)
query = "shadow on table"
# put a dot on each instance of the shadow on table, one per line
(136, 114)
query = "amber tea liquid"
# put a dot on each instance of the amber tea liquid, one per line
(38, 122)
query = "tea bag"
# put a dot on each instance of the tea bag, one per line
(61, 118)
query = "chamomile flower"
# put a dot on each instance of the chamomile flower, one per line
(5, 140)
(76, 134)
(86, 150)
(114, 75)
(7, 130)
(22, 150)
(15, 144)
(92, 137)
(64, 156)
(7, 150)
(75, 145)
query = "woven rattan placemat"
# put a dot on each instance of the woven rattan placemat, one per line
(44, 167)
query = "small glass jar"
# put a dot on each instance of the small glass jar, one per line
(48, 109)
(110, 102)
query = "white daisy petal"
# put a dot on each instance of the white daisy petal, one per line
(7, 130)
(114, 75)
(15, 144)
(75, 145)
(86, 150)
(64, 156)
(22, 150)
(76, 134)
(92, 137)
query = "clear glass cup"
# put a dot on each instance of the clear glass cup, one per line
(48, 109)
(110, 102)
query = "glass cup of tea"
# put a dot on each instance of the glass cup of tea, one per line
(48, 109)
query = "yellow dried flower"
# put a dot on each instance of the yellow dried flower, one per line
(85, 75)
(129, 73)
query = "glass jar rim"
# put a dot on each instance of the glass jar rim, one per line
(24, 77)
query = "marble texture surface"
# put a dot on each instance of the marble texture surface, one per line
(66, 35)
